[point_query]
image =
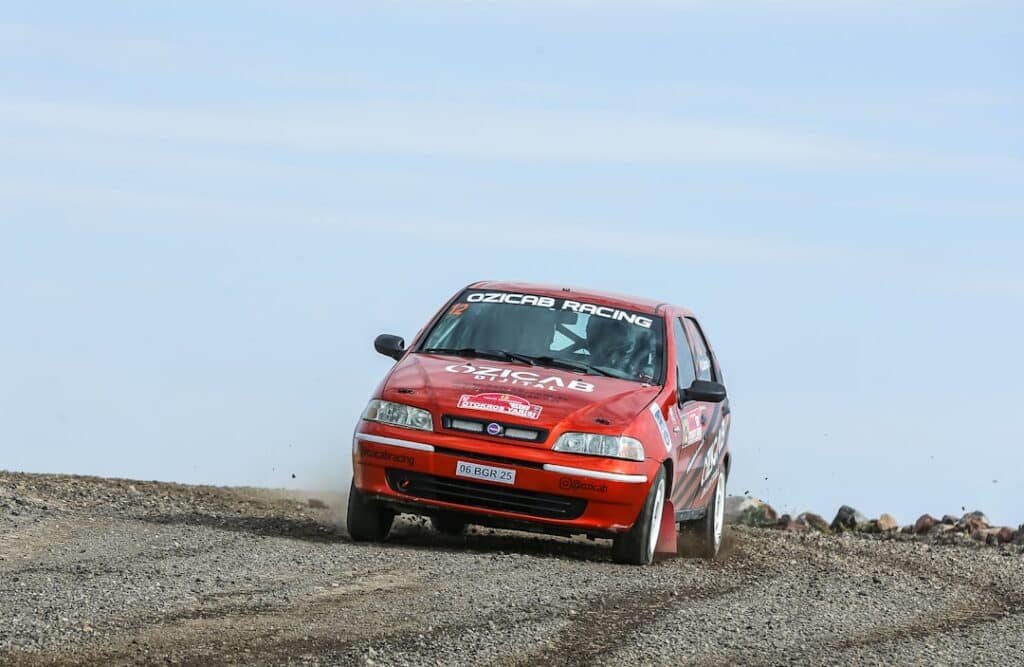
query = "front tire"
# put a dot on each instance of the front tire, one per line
(368, 520)
(705, 535)
(636, 546)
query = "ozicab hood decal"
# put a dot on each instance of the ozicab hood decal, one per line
(537, 396)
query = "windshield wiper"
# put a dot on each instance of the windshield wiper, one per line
(501, 355)
(580, 366)
(521, 358)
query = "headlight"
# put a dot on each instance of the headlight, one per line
(614, 446)
(398, 414)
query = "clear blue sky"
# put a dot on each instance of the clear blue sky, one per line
(207, 213)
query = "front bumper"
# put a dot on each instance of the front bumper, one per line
(569, 493)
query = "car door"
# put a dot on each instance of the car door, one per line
(713, 417)
(684, 420)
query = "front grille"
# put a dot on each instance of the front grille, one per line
(502, 430)
(486, 496)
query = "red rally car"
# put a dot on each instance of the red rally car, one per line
(549, 409)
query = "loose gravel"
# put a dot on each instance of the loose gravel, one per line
(101, 571)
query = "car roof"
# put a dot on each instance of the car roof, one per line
(594, 296)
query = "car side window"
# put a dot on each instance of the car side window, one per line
(705, 369)
(684, 358)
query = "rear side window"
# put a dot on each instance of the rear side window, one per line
(705, 369)
(684, 358)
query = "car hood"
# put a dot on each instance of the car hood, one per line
(535, 396)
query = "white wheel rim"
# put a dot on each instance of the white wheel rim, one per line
(719, 510)
(659, 505)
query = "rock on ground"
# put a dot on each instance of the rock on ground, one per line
(888, 523)
(847, 518)
(748, 511)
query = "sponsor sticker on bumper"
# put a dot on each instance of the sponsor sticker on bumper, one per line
(486, 473)
(570, 484)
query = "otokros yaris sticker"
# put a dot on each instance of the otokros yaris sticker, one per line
(505, 404)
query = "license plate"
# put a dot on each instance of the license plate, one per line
(486, 473)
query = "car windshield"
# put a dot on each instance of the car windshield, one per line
(549, 331)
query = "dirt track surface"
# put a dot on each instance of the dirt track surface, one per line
(117, 572)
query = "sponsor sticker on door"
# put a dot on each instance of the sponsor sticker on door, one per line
(694, 428)
(505, 404)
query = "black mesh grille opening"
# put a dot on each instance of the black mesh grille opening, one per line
(486, 496)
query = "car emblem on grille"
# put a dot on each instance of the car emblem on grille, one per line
(494, 429)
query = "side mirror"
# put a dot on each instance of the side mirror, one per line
(705, 390)
(390, 346)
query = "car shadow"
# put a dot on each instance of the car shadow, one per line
(416, 533)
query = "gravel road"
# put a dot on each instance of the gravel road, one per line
(106, 571)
